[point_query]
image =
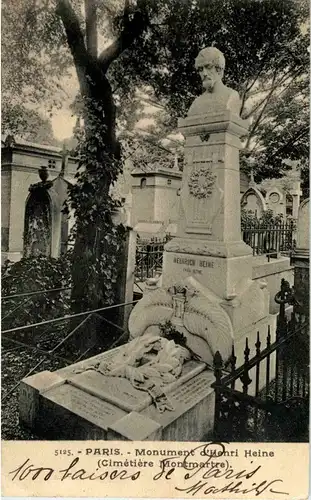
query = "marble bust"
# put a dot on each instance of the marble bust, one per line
(210, 64)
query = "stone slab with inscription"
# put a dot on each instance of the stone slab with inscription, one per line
(193, 412)
(90, 405)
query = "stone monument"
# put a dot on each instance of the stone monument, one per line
(208, 251)
(158, 386)
(301, 258)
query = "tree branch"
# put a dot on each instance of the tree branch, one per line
(261, 67)
(274, 85)
(243, 100)
(75, 39)
(301, 133)
(90, 7)
(132, 28)
(279, 83)
(257, 121)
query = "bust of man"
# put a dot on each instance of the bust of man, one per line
(210, 64)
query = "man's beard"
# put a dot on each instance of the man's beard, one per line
(209, 85)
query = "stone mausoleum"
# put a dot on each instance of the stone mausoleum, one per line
(20, 165)
(155, 201)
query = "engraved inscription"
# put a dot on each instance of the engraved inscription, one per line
(92, 408)
(188, 262)
(193, 262)
(193, 271)
(191, 391)
(117, 391)
(86, 406)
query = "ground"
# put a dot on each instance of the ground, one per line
(18, 361)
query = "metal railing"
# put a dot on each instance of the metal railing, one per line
(267, 397)
(270, 240)
(62, 343)
(149, 258)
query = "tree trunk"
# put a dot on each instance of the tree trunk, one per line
(90, 246)
(97, 245)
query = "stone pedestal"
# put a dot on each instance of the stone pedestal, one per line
(208, 249)
(210, 193)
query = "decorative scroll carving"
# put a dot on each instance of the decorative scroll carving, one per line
(190, 312)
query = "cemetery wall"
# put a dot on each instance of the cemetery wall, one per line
(5, 208)
(272, 272)
(166, 200)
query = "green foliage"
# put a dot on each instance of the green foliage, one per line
(30, 275)
(148, 156)
(268, 218)
(34, 53)
(27, 124)
(268, 67)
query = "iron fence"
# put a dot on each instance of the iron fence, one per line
(149, 258)
(274, 406)
(55, 340)
(269, 240)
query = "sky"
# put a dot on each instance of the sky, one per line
(63, 123)
(62, 120)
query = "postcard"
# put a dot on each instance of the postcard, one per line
(155, 249)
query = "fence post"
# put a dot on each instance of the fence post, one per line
(257, 345)
(268, 344)
(245, 379)
(218, 365)
(232, 366)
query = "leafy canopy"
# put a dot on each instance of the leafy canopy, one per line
(266, 48)
(264, 41)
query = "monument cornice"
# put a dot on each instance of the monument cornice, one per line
(216, 138)
(218, 121)
(300, 253)
(209, 248)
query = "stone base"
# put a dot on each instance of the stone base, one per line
(206, 247)
(229, 278)
(89, 405)
(217, 266)
(12, 256)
